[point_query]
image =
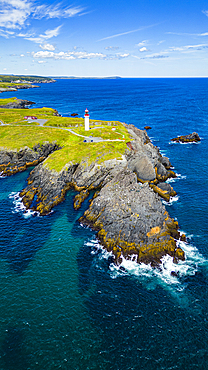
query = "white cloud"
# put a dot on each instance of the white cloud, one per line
(111, 48)
(47, 47)
(205, 12)
(22, 55)
(50, 11)
(123, 55)
(187, 34)
(67, 55)
(143, 49)
(15, 14)
(51, 33)
(6, 33)
(41, 61)
(128, 32)
(47, 35)
(5, 69)
(160, 42)
(71, 55)
(188, 47)
(142, 43)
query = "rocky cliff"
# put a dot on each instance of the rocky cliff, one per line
(126, 209)
(17, 104)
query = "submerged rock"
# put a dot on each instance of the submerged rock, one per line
(194, 137)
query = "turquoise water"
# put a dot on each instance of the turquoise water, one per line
(64, 305)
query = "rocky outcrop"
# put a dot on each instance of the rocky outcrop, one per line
(17, 104)
(17, 87)
(194, 137)
(12, 162)
(49, 187)
(132, 222)
(126, 209)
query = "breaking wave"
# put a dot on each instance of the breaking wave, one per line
(18, 206)
(168, 274)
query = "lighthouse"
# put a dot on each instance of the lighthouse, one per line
(87, 120)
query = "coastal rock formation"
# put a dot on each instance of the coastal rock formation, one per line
(17, 87)
(126, 209)
(18, 104)
(12, 162)
(194, 137)
(132, 222)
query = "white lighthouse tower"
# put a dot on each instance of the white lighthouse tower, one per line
(87, 120)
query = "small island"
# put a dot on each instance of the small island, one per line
(114, 164)
(191, 138)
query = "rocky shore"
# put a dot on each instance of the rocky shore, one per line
(191, 138)
(126, 209)
(17, 87)
(17, 104)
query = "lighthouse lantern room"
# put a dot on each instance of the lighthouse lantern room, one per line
(87, 120)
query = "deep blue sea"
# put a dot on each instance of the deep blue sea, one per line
(63, 303)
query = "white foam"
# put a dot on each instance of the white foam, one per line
(168, 274)
(174, 179)
(188, 143)
(171, 201)
(2, 176)
(18, 206)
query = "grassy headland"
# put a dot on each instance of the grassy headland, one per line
(16, 133)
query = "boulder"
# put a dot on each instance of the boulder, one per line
(165, 162)
(143, 167)
(194, 137)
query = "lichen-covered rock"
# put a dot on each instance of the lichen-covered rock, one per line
(194, 137)
(131, 220)
(129, 216)
(15, 161)
(165, 162)
(143, 167)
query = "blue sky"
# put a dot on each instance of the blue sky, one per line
(134, 38)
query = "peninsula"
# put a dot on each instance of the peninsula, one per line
(122, 173)
(16, 82)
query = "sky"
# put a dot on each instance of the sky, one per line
(97, 38)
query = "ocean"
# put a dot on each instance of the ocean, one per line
(64, 305)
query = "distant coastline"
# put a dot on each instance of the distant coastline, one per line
(86, 78)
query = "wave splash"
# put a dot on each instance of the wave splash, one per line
(18, 206)
(167, 274)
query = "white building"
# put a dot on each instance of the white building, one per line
(87, 120)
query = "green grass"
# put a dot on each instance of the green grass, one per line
(8, 100)
(9, 116)
(6, 85)
(9, 78)
(75, 151)
(15, 136)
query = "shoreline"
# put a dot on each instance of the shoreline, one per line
(126, 209)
